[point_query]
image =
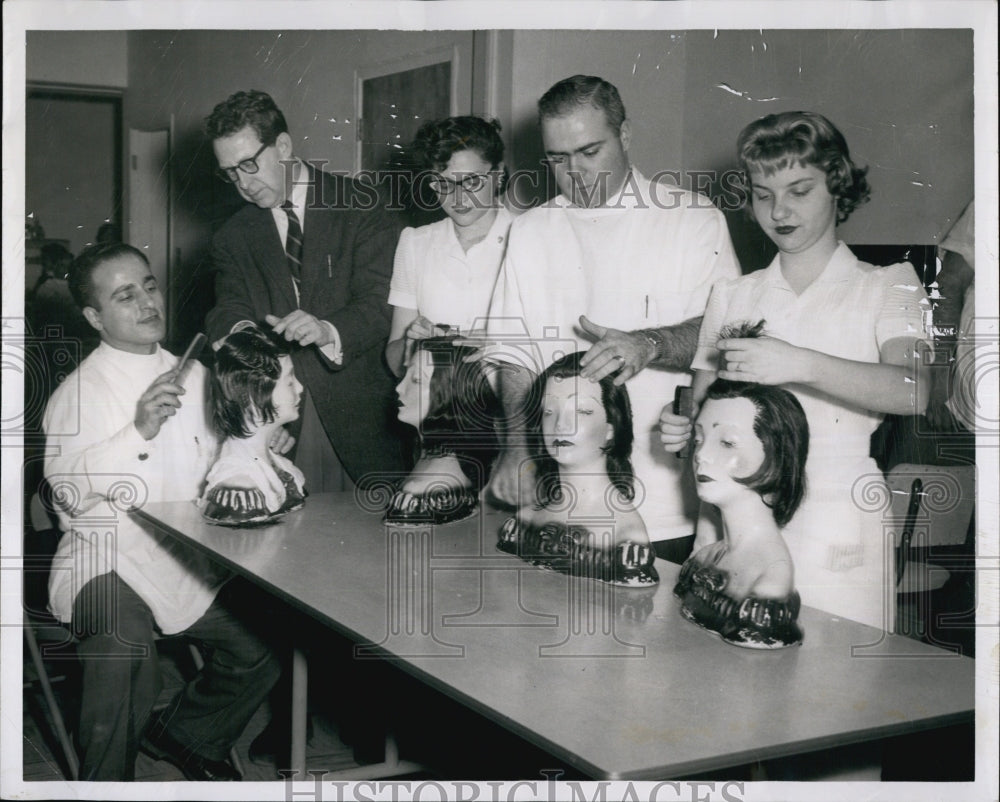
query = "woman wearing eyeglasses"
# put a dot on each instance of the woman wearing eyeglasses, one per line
(444, 273)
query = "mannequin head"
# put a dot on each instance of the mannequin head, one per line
(754, 436)
(572, 419)
(450, 401)
(253, 385)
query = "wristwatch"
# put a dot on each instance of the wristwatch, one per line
(654, 338)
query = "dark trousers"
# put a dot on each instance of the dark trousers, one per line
(121, 680)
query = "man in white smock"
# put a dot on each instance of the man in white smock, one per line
(122, 430)
(616, 259)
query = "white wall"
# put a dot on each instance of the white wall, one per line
(89, 58)
(310, 74)
(903, 99)
(648, 67)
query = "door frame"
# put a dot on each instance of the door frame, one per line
(167, 281)
(377, 69)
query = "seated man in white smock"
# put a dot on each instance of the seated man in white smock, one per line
(122, 430)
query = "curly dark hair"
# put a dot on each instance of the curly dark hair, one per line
(438, 140)
(578, 90)
(777, 141)
(247, 368)
(81, 270)
(463, 411)
(253, 108)
(618, 451)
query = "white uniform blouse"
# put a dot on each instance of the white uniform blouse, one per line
(841, 553)
(444, 283)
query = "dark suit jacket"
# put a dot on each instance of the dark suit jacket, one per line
(348, 246)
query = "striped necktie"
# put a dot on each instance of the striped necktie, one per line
(293, 243)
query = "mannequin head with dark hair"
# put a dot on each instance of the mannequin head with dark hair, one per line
(751, 442)
(253, 384)
(450, 402)
(573, 420)
(781, 432)
(772, 452)
(254, 392)
(584, 521)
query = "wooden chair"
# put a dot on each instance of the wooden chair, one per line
(935, 504)
(41, 678)
(44, 637)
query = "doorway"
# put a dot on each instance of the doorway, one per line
(73, 168)
(394, 98)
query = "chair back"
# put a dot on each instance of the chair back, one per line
(944, 503)
(931, 505)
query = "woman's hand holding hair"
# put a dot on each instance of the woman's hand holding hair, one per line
(420, 328)
(765, 360)
(895, 384)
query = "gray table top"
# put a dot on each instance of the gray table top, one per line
(610, 680)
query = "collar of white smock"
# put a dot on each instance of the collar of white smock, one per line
(838, 270)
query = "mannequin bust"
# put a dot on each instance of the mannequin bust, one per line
(453, 408)
(254, 392)
(750, 448)
(584, 521)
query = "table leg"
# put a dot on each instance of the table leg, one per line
(300, 693)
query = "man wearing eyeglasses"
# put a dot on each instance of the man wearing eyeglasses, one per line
(311, 256)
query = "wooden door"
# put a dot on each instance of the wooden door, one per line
(394, 99)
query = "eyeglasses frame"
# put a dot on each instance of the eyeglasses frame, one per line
(229, 174)
(451, 187)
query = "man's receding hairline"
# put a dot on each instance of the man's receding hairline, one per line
(119, 258)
